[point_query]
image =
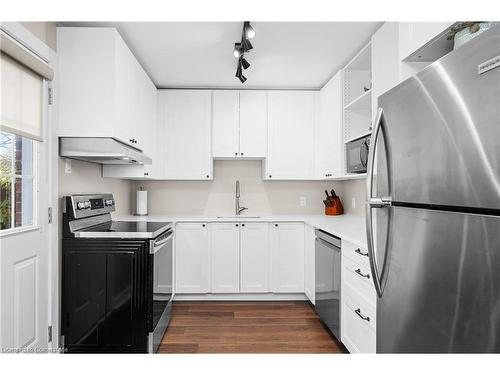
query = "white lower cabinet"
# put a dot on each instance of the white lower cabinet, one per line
(225, 257)
(191, 258)
(287, 257)
(254, 258)
(309, 275)
(358, 299)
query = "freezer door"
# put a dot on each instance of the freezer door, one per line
(443, 130)
(442, 288)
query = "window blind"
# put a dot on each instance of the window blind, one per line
(21, 99)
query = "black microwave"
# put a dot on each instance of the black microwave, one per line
(357, 154)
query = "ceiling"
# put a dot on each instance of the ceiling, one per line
(287, 55)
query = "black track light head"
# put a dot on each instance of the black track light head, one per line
(244, 63)
(248, 30)
(238, 70)
(246, 45)
(237, 50)
(242, 78)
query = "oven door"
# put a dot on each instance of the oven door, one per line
(161, 249)
(357, 155)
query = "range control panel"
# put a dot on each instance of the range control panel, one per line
(85, 205)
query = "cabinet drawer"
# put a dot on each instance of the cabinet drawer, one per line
(356, 253)
(358, 277)
(359, 322)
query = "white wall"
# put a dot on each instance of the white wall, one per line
(87, 178)
(354, 189)
(261, 197)
(217, 196)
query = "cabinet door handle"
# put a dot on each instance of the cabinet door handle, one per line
(235, 154)
(242, 225)
(208, 176)
(203, 225)
(275, 225)
(358, 271)
(242, 154)
(236, 224)
(358, 312)
(270, 176)
(360, 252)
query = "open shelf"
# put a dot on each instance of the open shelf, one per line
(364, 101)
(362, 60)
(358, 136)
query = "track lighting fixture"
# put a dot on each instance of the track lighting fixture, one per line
(237, 50)
(241, 48)
(244, 63)
(248, 30)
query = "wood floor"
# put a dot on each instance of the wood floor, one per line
(247, 327)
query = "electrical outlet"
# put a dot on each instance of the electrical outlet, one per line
(353, 202)
(303, 201)
(67, 166)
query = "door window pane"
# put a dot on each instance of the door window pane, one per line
(17, 182)
(23, 202)
(6, 152)
(5, 202)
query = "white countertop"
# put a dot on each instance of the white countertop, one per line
(348, 227)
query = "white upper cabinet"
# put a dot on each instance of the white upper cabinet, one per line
(287, 257)
(329, 143)
(225, 112)
(385, 61)
(191, 258)
(414, 35)
(225, 250)
(255, 259)
(97, 86)
(291, 116)
(185, 122)
(239, 124)
(253, 124)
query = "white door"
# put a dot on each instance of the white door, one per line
(287, 257)
(225, 250)
(329, 138)
(192, 258)
(309, 265)
(254, 258)
(253, 124)
(186, 139)
(225, 123)
(291, 135)
(24, 267)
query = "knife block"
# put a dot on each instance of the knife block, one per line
(336, 209)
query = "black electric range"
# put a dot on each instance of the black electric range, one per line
(117, 279)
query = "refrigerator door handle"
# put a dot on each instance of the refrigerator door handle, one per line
(374, 202)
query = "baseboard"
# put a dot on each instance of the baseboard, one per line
(241, 297)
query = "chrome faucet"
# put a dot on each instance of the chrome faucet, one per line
(239, 209)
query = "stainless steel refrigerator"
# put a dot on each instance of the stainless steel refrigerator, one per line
(433, 205)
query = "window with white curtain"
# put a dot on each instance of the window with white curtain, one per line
(21, 114)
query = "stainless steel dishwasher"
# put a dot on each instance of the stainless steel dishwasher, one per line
(327, 280)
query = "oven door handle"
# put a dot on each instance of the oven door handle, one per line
(156, 246)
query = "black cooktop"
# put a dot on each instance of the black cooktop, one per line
(131, 229)
(127, 226)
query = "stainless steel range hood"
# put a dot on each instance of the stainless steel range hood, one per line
(101, 151)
